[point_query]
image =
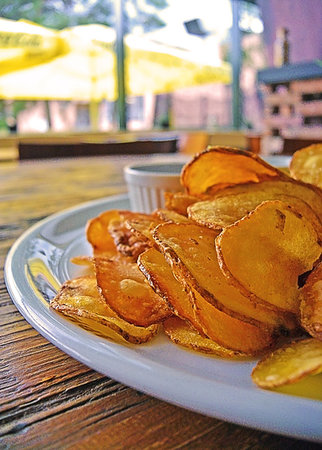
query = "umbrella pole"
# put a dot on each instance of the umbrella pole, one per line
(48, 116)
(120, 55)
(236, 64)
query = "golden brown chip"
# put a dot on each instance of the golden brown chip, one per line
(308, 193)
(97, 233)
(264, 253)
(219, 167)
(190, 249)
(83, 261)
(229, 331)
(181, 333)
(127, 242)
(224, 210)
(127, 292)
(143, 226)
(158, 272)
(80, 299)
(179, 202)
(289, 364)
(306, 165)
(171, 216)
(311, 303)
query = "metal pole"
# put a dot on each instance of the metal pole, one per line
(120, 55)
(236, 65)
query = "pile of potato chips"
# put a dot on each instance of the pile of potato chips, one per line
(230, 267)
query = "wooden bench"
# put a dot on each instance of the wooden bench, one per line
(66, 150)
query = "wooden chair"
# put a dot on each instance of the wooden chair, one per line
(67, 150)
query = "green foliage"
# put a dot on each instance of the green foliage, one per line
(60, 14)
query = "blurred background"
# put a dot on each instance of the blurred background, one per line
(212, 71)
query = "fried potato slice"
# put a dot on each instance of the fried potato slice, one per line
(229, 331)
(190, 249)
(311, 303)
(109, 234)
(158, 272)
(308, 193)
(127, 292)
(171, 216)
(219, 167)
(289, 364)
(264, 253)
(181, 333)
(306, 165)
(143, 226)
(224, 210)
(179, 202)
(126, 240)
(80, 299)
(82, 260)
(97, 233)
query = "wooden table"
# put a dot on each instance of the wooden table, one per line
(48, 399)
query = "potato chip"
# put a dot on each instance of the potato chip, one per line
(80, 299)
(181, 333)
(127, 241)
(224, 210)
(289, 364)
(306, 165)
(143, 226)
(179, 202)
(190, 249)
(160, 277)
(83, 261)
(229, 331)
(127, 292)
(308, 193)
(264, 253)
(97, 233)
(219, 167)
(311, 303)
(171, 216)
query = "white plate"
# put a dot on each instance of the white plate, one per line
(39, 261)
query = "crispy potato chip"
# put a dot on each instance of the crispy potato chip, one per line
(127, 292)
(143, 226)
(308, 193)
(264, 253)
(311, 303)
(181, 333)
(158, 272)
(97, 233)
(229, 331)
(224, 210)
(80, 299)
(171, 216)
(179, 202)
(190, 249)
(126, 240)
(219, 167)
(289, 364)
(306, 165)
(83, 261)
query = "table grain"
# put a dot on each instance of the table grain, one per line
(48, 399)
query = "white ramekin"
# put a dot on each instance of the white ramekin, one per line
(147, 183)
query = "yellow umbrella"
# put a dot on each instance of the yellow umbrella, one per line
(24, 44)
(83, 72)
(87, 69)
(152, 67)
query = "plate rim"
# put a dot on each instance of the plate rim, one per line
(122, 358)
